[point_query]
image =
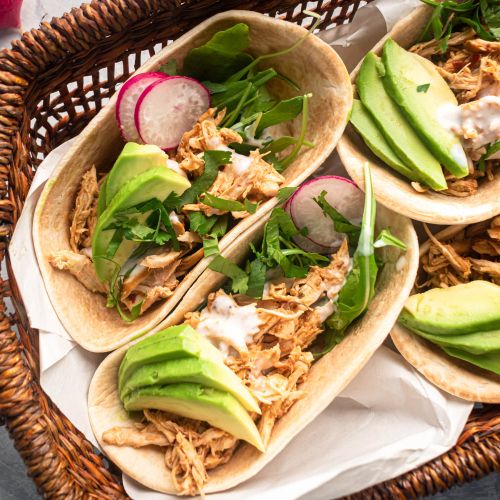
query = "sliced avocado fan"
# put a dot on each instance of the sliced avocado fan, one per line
(198, 402)
(374, 139)
(154, 183)
(420, 91)
(394, 126)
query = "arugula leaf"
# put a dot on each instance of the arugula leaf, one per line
(220, 57)
(256, 278)
(340, 223)
(213, 160)
(169, 68)
(283, 111)
(490, 11)
(238, 277)
(359, 287)
(210, 247)
(286, 192)
(229, 205)
(387, 239)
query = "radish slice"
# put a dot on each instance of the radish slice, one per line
(128, 96)
(168, 108)
(342, 194)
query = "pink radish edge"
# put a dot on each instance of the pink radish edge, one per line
(145, 92)
(288, 204)
(125, 87)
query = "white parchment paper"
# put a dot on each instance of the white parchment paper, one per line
(388, 420)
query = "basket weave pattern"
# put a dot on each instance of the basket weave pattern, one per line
(52, 83)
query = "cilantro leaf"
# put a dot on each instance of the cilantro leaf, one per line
(238, 277)
(229, 205)
(169, 68)
(286, 192)
(423, 88)
(340, 223)
(213, 160)
(210, 247)
(201, 223)
(256, 278)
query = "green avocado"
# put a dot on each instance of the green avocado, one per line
(392, 123)
(101, 199)
(203, 370)
(158, 183)
(420, 91)
(475, 343)
(460, 309)
(489, 361)
(179, 341)
(132, 161)
(374, 139)
(195, 401)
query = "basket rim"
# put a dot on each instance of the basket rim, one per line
(58, 457)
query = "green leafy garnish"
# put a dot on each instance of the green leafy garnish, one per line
(229, 205)
(490, 150)
(340, 223)
(238, 277)
(359, 287)
(423, 88)
(387, 239)
(210, 247)
(169, 68)
(285, 192)
(222, 56)
(256, 278)
(213, 160)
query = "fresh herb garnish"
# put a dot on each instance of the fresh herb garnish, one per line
(450, 15)
(238, 277)
(213, 160)
(169, 68)
(490, 150)
(256, 278)
(359, 287)
(340, 223)
(285, 192)
(423, 88)
(387, 239)
(229, 205)
(210, 247)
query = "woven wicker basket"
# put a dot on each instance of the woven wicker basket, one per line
(52, 83)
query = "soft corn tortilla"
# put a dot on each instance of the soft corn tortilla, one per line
(326, 378)
(395, 191)
(314, 66)
(453, 375)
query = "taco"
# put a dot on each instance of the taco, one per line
(294, 326)
(427, 114)
(462, 358)
(216, 124)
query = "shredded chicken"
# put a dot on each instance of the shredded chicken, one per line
(80, 266)
(472, 254)
(273, 365)
(471, 67)
(84, 216)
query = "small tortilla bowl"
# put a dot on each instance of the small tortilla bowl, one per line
(450, 374)
(326, 379)
(395, 191)
(83, 313)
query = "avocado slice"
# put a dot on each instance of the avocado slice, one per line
(132, 161)
(101, 199)
(475, 343)
(420, 91)
(374, 139)
(489, 361)
(158, 183)
(203, 370)
(198, 402)
(460, 309)
(392, 123)
(179, 341)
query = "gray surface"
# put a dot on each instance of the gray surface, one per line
(15, 485)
